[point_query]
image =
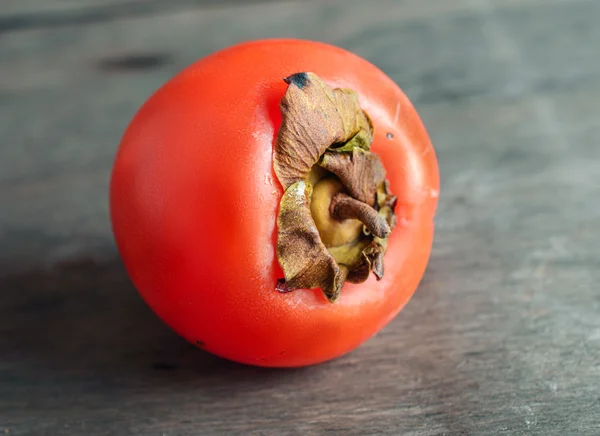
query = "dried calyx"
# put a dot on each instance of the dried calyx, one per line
(336, 213)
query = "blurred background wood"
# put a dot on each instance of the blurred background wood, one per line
(503, 336)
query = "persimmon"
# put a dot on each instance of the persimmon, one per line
(274, 202)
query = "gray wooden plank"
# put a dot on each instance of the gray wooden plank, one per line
(503, 336)
(16, 15)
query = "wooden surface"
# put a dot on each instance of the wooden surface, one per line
(503, 336)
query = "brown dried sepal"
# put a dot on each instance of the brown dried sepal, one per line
(305, 261)
(372, 260)
(315, 116)
(324, 133)
(372, 254)
(360, 171)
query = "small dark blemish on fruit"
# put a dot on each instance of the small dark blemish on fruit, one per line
(200, 344)
(389, 135)
(298, 79)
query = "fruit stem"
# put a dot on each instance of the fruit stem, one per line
(344, 207)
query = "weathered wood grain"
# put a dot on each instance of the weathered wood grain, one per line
(503, 336)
